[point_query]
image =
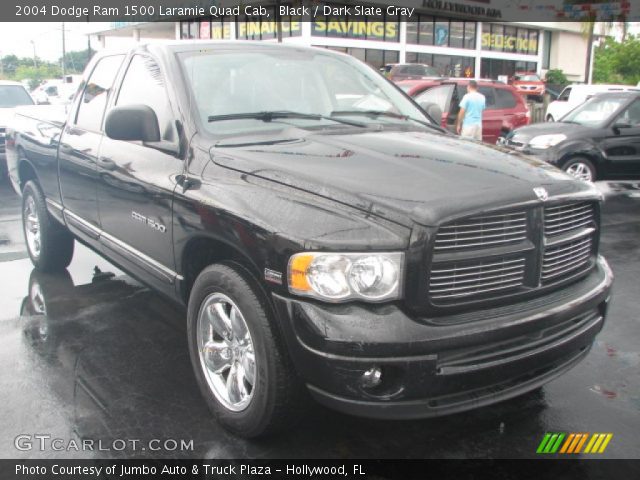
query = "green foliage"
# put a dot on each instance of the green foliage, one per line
(36, 75)
(556, 76)
(14, 68)
(616, 62)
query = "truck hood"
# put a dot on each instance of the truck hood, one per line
(524, 135)
(403, 176)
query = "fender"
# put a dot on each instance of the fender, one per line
(580, 147)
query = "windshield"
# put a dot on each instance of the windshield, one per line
(13, 96)
(527, 78)
(595, 111)
(316, 85)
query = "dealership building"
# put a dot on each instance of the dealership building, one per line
(465, 39)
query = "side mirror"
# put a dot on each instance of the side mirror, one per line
(433, 110)
(132, 123)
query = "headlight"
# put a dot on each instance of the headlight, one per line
(338, 277)
(546, 141)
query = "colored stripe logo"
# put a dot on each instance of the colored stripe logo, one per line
(574, 443)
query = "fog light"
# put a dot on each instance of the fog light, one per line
(372, 377)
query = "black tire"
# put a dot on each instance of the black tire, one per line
(55, 241)
(581, 168)
(278, 395)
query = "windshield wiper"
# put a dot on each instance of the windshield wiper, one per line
(268, 116)
(382, 113)
(370, 113)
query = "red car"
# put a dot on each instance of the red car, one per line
(505, 108)
(528, 84)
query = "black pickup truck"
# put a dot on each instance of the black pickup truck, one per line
(325, 235)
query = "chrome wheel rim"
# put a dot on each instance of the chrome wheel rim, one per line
(226, 352)
(32, 227)
(580, 171)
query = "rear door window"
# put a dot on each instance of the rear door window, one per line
(505, 99)
(564, 96)
(489, 96)
(440, 95)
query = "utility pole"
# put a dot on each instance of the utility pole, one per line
(64, 52)
(35, 61)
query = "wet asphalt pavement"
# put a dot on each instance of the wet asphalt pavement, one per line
(93, 355)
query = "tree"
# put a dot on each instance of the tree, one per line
(556, 76)
(75, 62)
(618, 62)
(35, 75)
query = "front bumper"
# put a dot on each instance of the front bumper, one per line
(443, 365)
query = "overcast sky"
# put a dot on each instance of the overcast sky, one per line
(16, 37)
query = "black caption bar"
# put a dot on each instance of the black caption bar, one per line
(311, 10)
(329, 469)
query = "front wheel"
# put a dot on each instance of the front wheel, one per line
(49, 244)
(581, 168)
(239, 361)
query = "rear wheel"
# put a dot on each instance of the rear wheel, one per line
(49, 244)
(581, 168)
(238, 358)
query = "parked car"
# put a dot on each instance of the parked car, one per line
(364, 256)
(574, 95)
(600, 139)
(12, 94)
(528, 84)
(505, 108)
(56, 92)
(409, 71)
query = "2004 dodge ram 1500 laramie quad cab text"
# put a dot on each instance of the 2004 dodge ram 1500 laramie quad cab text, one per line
(326, 236)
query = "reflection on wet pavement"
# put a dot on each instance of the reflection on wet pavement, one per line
(93, 355)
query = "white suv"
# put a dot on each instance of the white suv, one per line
(576, 94)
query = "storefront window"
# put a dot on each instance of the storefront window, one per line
(184, 29)
(533, 42)
(412, 32)
(205, 29)
(221, 29)
(374, 57)
(456, 34)
(382, 29)
(494, 68)
(425, 31)
(469, 35)
(503, 38)
(441, 32)
(446, 65)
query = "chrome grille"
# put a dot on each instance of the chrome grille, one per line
(482, 231)
(457, 281)
(566, 258)
(563, 219)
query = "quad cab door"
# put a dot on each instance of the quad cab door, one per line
(136, 181)
(79, 146)
(622, 143)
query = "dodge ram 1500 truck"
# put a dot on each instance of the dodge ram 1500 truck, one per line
(324, 234)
